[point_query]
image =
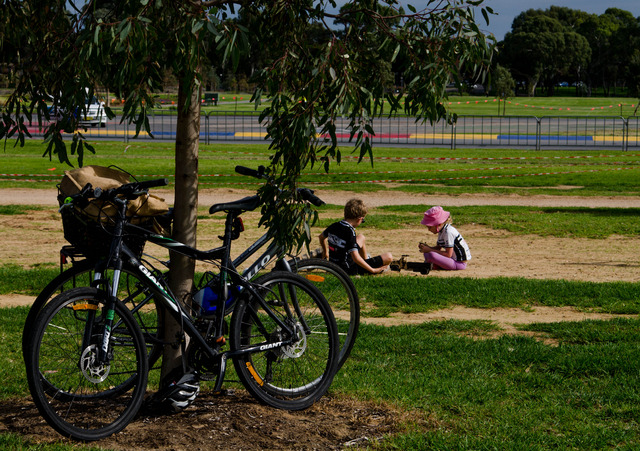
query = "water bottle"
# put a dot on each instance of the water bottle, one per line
(207, 297)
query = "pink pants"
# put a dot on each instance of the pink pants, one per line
(443, 262)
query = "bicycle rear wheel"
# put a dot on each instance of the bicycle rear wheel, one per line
(72, 390)
(342, 296)
(132, 293)
(295, 374)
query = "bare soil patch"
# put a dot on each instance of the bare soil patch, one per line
(231, 421)
(236, 421)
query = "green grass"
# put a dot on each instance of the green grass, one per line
(10, 210)
(508, 393)
(621, 330)
(408, 170)
(408, 294)
(18, 280)
(462, 392)
(543, 106)
(484, 106)
(464, 105)
(384, 295)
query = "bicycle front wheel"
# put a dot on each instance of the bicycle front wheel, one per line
(342, 296)
(131, 292)
(71, 388)
(292, 367)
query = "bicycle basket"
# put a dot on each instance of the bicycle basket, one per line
(89, 230)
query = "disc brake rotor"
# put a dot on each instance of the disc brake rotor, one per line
(94, 373)
(296, 349)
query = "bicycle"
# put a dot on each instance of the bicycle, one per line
(334, 283)
(87, 367)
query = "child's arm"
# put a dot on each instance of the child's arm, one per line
(446, 251)
(357, 258)
(424, 248)
(324, 244)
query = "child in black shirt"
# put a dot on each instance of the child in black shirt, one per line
(340, 243)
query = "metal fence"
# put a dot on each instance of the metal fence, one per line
(469, 131)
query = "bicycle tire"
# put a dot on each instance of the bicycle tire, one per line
(286, 377)
(67, 331)
(341, 294)
(131, 294)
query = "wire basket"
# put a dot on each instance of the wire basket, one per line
(90, 229)
(92, 236)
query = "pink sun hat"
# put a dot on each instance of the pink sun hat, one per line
(434, 216)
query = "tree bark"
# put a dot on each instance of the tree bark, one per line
(182, 268)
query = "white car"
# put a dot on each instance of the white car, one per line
(95, 114)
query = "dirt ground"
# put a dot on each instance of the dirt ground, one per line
(235, 421)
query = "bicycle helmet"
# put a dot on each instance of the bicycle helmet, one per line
(178, 394)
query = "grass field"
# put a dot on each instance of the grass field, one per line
(433, 171)
(485, 106)
(464, 388)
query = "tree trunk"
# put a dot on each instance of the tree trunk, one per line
(182, 269)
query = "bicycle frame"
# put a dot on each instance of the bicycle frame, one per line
(162, 293)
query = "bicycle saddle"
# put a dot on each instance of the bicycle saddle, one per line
(246, 204)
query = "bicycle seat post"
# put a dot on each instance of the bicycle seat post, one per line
(225, 264)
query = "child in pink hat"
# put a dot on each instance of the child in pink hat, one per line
(451, 251)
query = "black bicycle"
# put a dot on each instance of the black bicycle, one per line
(334, 283)
(87, 360)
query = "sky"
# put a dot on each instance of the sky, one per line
(507, 10)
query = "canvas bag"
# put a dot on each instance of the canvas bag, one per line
(139, 210)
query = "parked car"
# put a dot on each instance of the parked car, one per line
(94, 116)
(476, 89)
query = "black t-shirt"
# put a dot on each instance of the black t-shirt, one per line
(342, 241)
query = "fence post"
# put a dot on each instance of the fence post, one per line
(453, 135)
(625, 134)
(206, 127)
(538, 133)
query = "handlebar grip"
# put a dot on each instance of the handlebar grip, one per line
(152, 183)
(243, 170)
(307, 194)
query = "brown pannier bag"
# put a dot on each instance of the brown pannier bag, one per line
(88, 228)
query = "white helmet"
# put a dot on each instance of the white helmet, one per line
(179, 394)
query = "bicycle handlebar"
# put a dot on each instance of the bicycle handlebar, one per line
(305, 193)
(259, 174)
(128, 190)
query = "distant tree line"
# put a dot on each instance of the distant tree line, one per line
(543, 50)
(559, 45)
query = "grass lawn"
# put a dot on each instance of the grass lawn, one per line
(464, 388)
(433, 171)
(484, 105)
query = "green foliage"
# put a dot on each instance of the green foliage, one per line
(310, 83)
(541, 48)
(563, 44)
(310, 87)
